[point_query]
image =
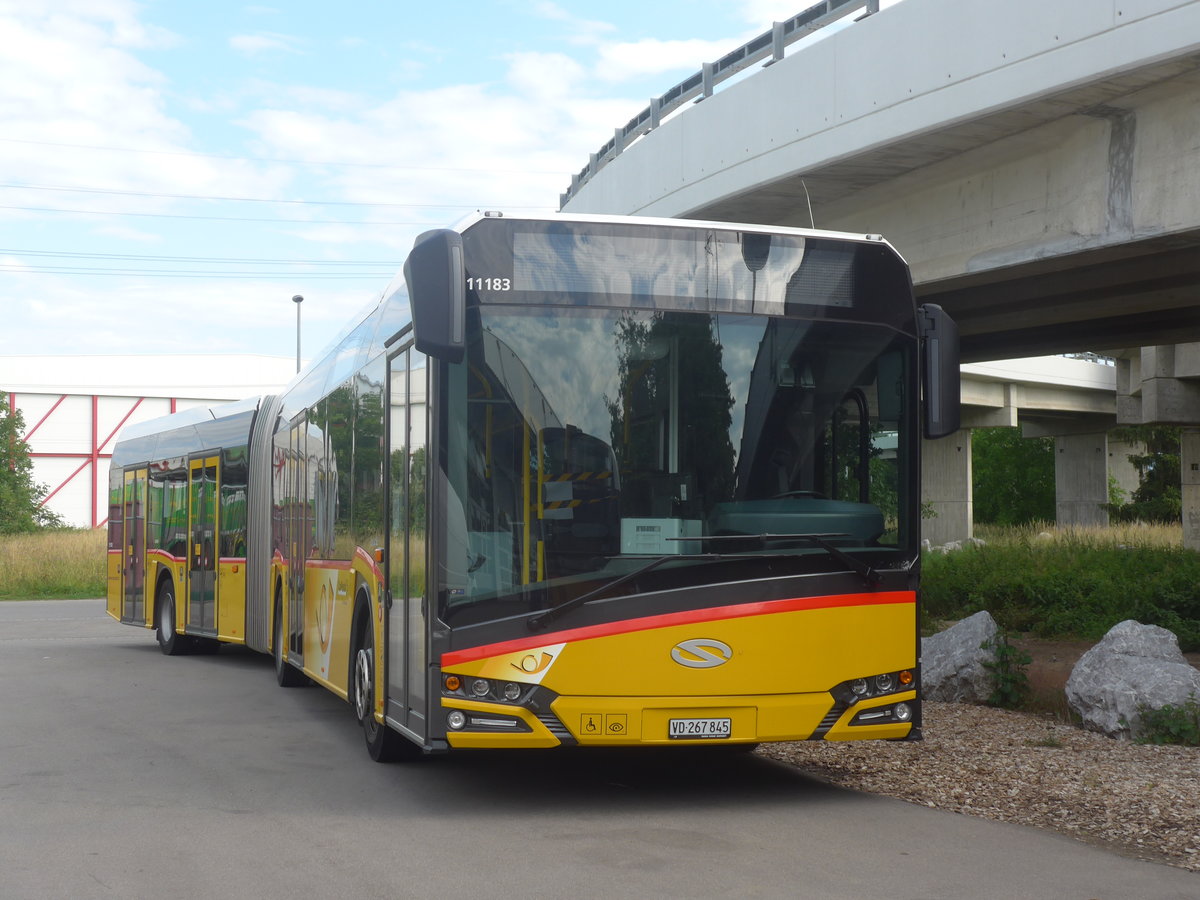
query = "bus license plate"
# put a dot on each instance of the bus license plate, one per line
(697, 729)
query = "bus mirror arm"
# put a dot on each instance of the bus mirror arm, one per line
(437, 289)
(395, 337)
(940, 377)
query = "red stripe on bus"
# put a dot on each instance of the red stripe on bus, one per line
(346, 564)
(331, 564)
(689, 617)
(369, 560)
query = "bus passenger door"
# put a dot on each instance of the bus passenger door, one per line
(407, 696)
(134, 547)
(202, 556)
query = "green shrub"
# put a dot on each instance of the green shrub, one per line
(1171, 724)
(1068, 585)
(1010, 684)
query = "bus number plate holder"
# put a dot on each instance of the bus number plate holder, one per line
(698, 729)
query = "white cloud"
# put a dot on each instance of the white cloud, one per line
(759, 14)
(264, 42)
(544, 76)
(126, 233)
(68, 310)
(635, 59)
(510, 143)
(72, 94)
(580, 31)
(73, 91)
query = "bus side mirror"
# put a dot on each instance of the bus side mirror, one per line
(940, 376)
(436, 281)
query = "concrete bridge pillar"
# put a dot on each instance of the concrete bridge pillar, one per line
(1121, 472)
(1081, 479)
(1161, 386)
(946, 488)
(1189, 468)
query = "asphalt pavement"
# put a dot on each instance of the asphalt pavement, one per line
(128, 774)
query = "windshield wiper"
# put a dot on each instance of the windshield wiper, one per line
(869, 575)
(540, 621)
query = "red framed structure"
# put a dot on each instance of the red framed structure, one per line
(92, 441)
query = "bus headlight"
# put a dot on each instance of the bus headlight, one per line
(483, 689)
(902, 712)
(855, 690)
(456, 719)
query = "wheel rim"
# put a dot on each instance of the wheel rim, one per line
(277, 641)
(363, 693)
(167, 616)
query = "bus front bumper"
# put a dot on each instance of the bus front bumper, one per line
(678, 721)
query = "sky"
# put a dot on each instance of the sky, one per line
(172, 173)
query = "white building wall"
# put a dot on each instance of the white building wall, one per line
(75, 407)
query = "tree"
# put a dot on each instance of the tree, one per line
(645, 351)
(20, 497)
(1012, 477)
(1158, 497)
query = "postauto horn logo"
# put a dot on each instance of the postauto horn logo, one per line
(701, 653)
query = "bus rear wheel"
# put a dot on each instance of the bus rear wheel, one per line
(286, 674)
(169, 642)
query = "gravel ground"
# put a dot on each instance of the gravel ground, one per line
(1140, 800)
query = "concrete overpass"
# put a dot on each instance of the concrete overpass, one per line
(1038, 164)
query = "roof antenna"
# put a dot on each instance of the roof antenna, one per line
(812, 223)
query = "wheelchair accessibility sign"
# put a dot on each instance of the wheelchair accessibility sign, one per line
(607, 724)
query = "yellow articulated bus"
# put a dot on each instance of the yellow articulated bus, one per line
(577, 481)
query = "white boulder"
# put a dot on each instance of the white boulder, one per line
(953, 661)
(1133, 667)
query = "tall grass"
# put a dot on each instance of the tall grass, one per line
(1124, 535)
(416, 567)
(71, 564)
(64, 564)
(1071, 582)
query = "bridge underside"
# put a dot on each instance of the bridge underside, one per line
(1118, 287)
(1117, 297)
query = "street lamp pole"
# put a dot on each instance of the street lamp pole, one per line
(297, 300)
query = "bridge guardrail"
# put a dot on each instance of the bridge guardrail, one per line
(769, 46)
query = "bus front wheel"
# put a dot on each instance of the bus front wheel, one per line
(383, 744)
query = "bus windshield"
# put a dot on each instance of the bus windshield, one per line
(584, 442)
